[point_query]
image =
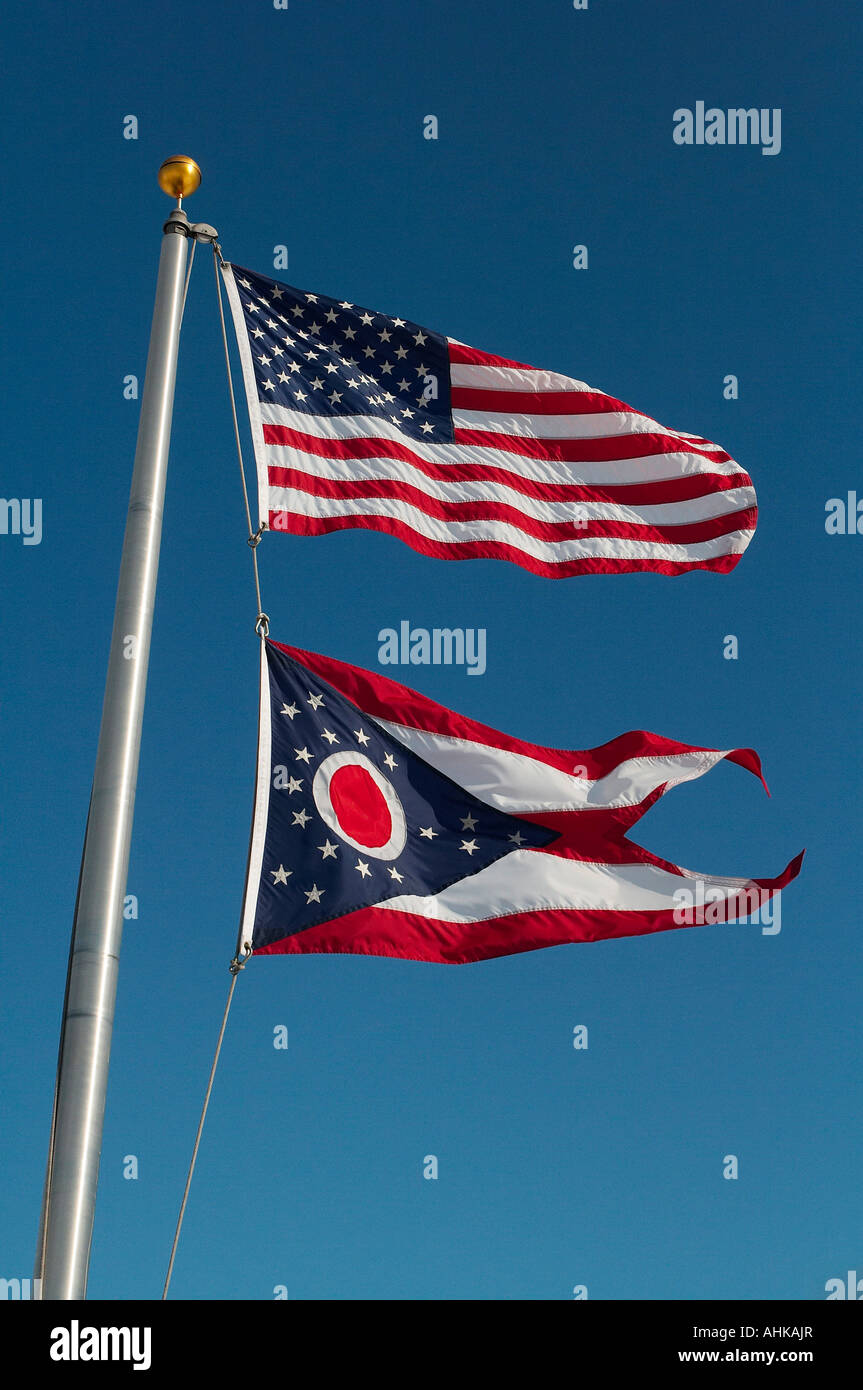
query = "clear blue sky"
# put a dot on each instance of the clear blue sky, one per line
(557, 1167)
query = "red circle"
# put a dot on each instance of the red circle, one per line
(360, 806)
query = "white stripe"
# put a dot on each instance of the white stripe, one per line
(259, 817)
(681, 513)
(552, 552)
(514, 379)
(530, 881)
(518, 784)
(593, 426)
(647, 468)
(606, 424)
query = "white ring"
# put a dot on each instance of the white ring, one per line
(321, 792)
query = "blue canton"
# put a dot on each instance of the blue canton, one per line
(320, 356)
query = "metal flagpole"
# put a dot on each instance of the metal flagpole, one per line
(68, 1206)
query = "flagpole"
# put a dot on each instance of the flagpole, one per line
(68, 1206)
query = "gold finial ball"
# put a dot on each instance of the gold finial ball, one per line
(179, 176)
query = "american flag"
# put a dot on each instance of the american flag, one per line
(361, 419)
(388, 825)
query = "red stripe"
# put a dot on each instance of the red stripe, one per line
(375, 931)
(381, 697)
(459, 352)
(538, 402)
(639, 444)
(491, 550)
(684, 533)
(676, 489)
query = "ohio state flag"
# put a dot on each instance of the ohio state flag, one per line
(387, 825)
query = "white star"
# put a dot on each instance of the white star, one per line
(294, 784)
(315, 700)
(315, 327)
(303, 755)
(361, 736)
(331, 316)
(404, 385)
(363, 869)
(401, 352)
(394, 873)
(330, 737)
(365, 318)
(297, 311)
(384, 335)
(469, 823)
(408, 413)
(300, 818)
(328, 850)
(399, 323)
(245, 284)
(345, 305)
(259, 333)
(390, 761)
(469, 845)
(281, 874)
(289, 710)
(336, 396)
(331, 367)
(428, 833)
(300, 395)
(312, 298)
(276, 292)
(386, 368)
(368, 352)
(269, 386)
(315, 894)
(421, 369)
(283, 376)
(317, 383)
(419, 338)
(517, 838)
(350, 333)
(427, 428)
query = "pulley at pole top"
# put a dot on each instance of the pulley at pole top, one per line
(179, 176)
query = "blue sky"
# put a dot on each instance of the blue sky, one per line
(557, 1167)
